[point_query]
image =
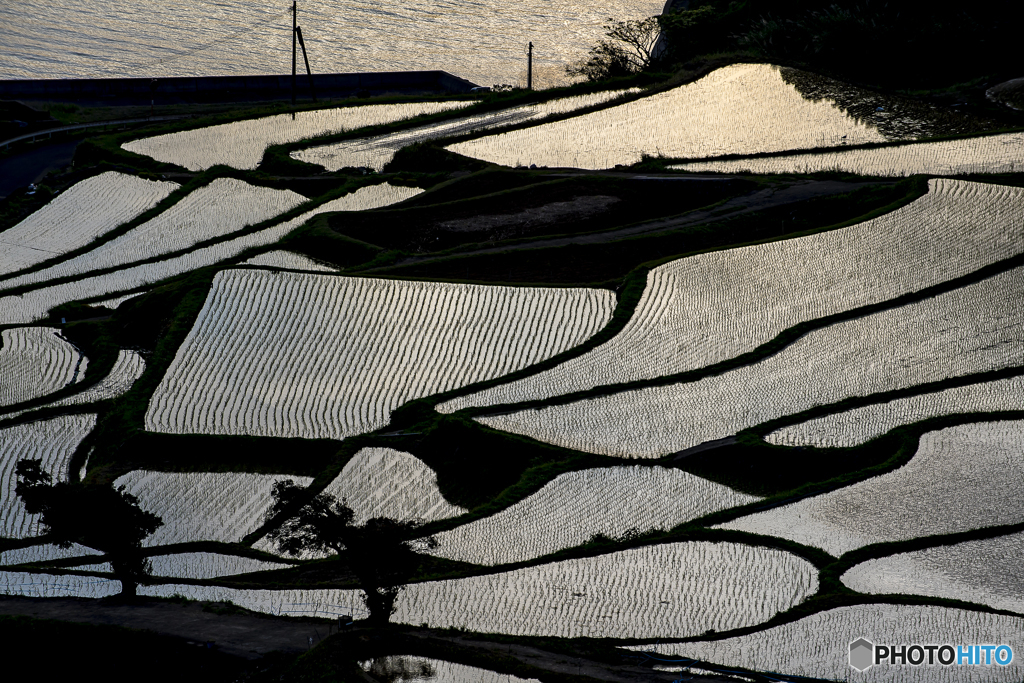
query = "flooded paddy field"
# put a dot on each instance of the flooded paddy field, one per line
(788, 418)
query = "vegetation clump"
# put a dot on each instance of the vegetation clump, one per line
(380, 551)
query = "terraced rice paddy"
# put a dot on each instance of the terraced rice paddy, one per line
(345, 352)
(383, 482)
(738, 109)
(960, 478)
(375, 152)
(988, 154)
(128, 367)
(673, 590)
(203, 506)
(707, 308)
(78, 216)
(324, 603)
(34, 585)
(279, 258)
(116, 301)
(241, 144)
(224, 206)
(575, 506)
(35, 304)
(53, 442)
(854, 427)
(35, 361)
(986, 571)
(975, 328)
(407, 668)
(202, 565)
(43, 553)
(818, 646)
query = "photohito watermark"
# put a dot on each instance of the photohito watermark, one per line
(864, 654)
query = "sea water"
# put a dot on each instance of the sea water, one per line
(484, 41)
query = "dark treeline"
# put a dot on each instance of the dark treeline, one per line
(911, 44)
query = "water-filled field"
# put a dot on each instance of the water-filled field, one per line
(389, 341)
(960, 478)
(376, 152)
(818, 645)
(76, 217)
(739, 109)
(410, 668)
(709, 307)
(574, 507)
(201, 348)
(224, 206)
(674, 590)
(52, 442)
(988, 154)
(203, 506)
(28, 307)
(972, 329)
(985, 572)
(35, 361)
(241, 144)
(857, 426)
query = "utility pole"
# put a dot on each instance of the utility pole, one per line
(294, 34)
(529, 68)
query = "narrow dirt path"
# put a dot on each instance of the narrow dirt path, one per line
(251, 636)
(757, 200)
(241, 635)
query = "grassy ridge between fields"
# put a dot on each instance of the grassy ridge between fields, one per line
(204, 179)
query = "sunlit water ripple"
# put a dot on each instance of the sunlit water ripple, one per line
(482, 40)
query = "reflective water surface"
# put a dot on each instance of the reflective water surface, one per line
(482, 40)
(409, 669)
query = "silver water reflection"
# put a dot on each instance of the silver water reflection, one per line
(482, 40)
(410, 669)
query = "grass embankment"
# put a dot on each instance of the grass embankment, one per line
(203, 179)
(550, 206)
(605, 263)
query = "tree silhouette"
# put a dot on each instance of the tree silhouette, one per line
(631, 48)
(381, 552)
(97, 516)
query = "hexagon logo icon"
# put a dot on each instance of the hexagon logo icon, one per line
(861, 651)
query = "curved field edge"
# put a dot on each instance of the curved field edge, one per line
(201, 180)
(108, 147)
(841, 148)
(99, 348)
(824, 213)
(629, 290)
(784, 339)
(276, 158)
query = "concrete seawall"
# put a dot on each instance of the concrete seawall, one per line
(121, 91)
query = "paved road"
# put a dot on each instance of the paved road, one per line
(30, 165)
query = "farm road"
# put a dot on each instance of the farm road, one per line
(757, 200)
(250, 636)
(241, 635)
